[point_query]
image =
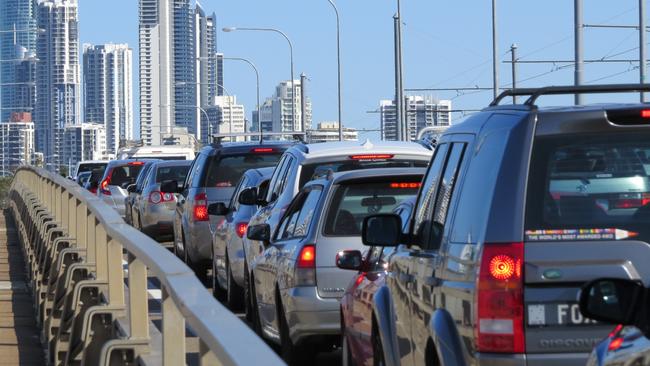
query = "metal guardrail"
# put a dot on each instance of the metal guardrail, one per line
(74, 246)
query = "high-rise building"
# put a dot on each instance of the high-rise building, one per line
(86, 141)
(179, 68)
(108, 91)
(16, 142)
(276, 113)
(421, 112)
(329, 131)
(18, 55)
(57, 76)
(156, 77)
(225, 116)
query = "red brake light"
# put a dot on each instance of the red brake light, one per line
(136, 163)
(201, 207)
(615, 344)
(615, 331)
(500, 299)
(241, 229)
(645, 113)
(307, 257)
(405, 185)
(261, 150)
(104, 186)
(372, 156)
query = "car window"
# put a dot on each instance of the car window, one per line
(426, 200)
(234, 200)
(297, 220)
(226, 170)
(89, 167)
(276, 176)
(124, 175)
(594, 183)
(281, 182)
(444, 195)
(142, 176)
(176, 173)
(196, 164)
(353, 202)
(344, 163)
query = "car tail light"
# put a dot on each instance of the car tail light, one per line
(645, 113)
(632, 202)
(500, 299)
(136, 163)
(615, 331)
(262, 150)
(156, 197)
(241, 229)
(306, 267)
(200, 209)
(93, 190)
(615, 344)
(372, 156)
(405, 185)
(103, 186)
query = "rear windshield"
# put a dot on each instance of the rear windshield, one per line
(318, 170)
(177, 173)
(594, 187)
(89, 167)
(124, 175)
(225, 171)
(353, 202)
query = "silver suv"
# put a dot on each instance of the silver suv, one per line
(296, 284)
(119, 174)
(212, 178)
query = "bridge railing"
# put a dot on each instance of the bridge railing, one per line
(76, 246)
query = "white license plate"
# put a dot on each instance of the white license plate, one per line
(556, 314)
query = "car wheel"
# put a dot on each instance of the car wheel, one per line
(248, 307)
(217, 292)
(377, 349)
(290, 353)
(234, 292)
(255, 315)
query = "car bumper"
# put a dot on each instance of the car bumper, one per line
(310, 315)
(556, 359)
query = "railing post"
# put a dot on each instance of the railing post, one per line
(138, 299)
(72, 216)
(173, 329)
(99, 245)
(115, 273)
(207, 357)
(81, 224)
(88, 244)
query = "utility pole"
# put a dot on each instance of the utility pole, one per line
(642, 45)
(579, 60)
(513, 53)
(303, 103)
(495, 56)
(398, 80)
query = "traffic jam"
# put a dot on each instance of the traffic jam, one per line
(518, 236)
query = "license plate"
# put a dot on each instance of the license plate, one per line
(556, 314)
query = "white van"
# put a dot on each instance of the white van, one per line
(165, 152)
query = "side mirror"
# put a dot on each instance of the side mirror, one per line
(349, 259)
(613, 300)
(384, 230)
(131, 188)
(260, 232)
(218, 209)
(169, 186)
(248, 196)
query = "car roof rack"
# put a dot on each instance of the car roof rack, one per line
(569, 89)
(296, 135)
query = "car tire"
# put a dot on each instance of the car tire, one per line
(248, 306)
(234, 292)
(290, 353)
(255, 315)
(217, 292)
(377, 349)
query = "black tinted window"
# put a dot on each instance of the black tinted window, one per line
(590, 182)
(426, 200)
(343, 164)
(89, 167)
(125, 174)
(297, 220)
(225, 171)
(352, 203)
(177, 173)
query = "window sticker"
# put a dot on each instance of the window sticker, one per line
(579, 234)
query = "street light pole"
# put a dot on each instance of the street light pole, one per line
(257, 80)
(293, 87)
(338, 61)
(495, 60)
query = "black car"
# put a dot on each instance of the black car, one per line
(520, 207)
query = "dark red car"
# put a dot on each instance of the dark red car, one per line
(356, 304)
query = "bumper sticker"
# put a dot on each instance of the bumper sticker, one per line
(579, 234)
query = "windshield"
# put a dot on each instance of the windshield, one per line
(600, 183)
(353, 202)
(318, 170)
(89, 167)
(124, 175)
(225, 171)
(177, 173)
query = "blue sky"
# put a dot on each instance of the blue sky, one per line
(446, 44)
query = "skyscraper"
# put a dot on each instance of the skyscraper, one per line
(108, 91)
(179, 68)
(57, 76)
(18, 52)
(421, 112)
(276, 113)
(224, 116)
